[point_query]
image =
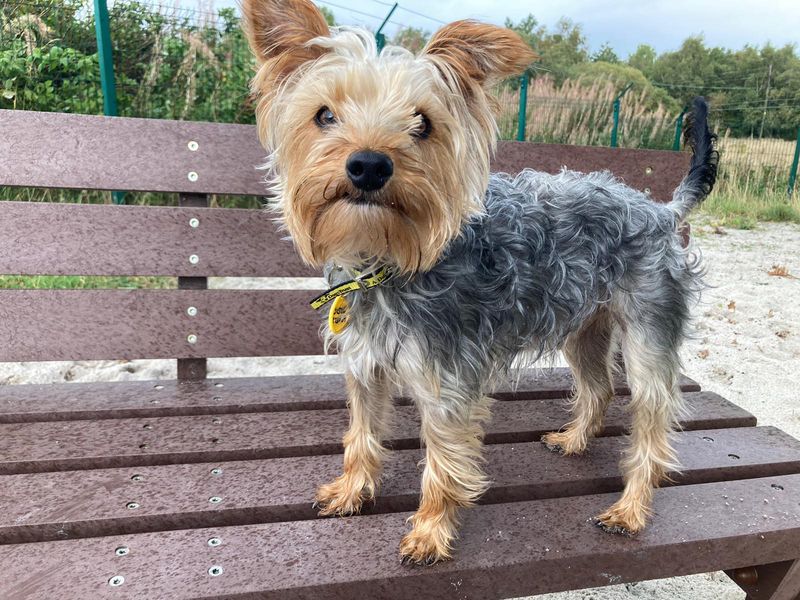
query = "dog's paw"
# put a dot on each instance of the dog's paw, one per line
(615, 529)
(623, 520)
(423, 549)
(341, 497)
(564, 442)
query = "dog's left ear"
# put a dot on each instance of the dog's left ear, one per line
(477, 53)
(279, 32)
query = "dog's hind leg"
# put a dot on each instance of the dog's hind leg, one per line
(370, 406)
(589, 353)
(651, 359)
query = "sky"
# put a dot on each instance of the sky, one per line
(624, 24)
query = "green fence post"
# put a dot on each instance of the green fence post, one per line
(105, 57)
(617, 100)
(523, 107)
(676, 145)
(793, 171)
(106, 61)
(380, 39)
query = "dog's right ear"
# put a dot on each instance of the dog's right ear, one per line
(279, 31)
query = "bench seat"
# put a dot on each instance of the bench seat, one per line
(162, 467)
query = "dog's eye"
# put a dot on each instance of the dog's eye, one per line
(325, 117)
(424, 128)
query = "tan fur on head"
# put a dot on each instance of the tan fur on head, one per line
(279, 32)
(378, 102)
(478, 53)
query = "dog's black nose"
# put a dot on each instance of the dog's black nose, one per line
(368, 170)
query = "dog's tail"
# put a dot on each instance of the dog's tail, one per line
(703, 169)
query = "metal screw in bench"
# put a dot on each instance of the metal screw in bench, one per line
(194, 259)
(193, 146)
(647, 190)
(215, 571)
(192, 311)
(648, 170)
(132, 505)
(216, 471)
(215, 499)
(137, 477)
(122, 551)
(214, 542)
(116, 581)
(194, 222)
(191, 338)
(192, 176)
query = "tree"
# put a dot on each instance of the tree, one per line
(526, 28)
(562, 48)
(605, 54)
(643, 58)
(411, 38)
(330, 19)
(622, 74)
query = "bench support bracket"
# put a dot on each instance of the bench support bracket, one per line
(192, 369)
(775, 581)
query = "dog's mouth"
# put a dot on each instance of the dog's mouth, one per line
(369, 199)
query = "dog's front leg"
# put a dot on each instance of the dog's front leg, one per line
(452, 433)
(370, 406)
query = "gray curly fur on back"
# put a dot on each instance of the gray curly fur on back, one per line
(549, 250)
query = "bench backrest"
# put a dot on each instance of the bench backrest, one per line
(191, 242)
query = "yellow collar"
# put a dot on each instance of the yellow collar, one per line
(361, 282)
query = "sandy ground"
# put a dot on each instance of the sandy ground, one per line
(746, 347)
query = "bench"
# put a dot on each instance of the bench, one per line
(202, 488)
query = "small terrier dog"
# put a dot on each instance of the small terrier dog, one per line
(381, 161)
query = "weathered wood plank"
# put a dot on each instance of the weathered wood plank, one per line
(128, 324)
(67, 445)
(115, 400)
(52, 506)
(505, 550)
(87, 239)
(85, 151)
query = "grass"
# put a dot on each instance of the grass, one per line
(131, 198)
(753, 173)
(744, 211)
(579, 112)
(75, 282)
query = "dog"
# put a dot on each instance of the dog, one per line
(380, 164)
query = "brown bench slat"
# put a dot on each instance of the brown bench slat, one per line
(65, 445)
(55, 150)
(85, 151)
(667, 168)
(42, 506)
(117, 324)
(63, 402)
(504, 550)
(82, 239)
